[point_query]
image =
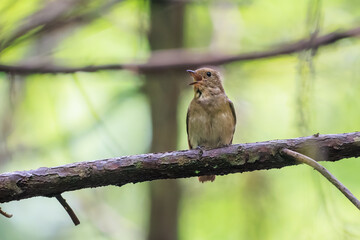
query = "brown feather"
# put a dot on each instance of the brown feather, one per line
(187, 128)
(211, 118)
(207, 178)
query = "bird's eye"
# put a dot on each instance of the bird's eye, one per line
(209, 74)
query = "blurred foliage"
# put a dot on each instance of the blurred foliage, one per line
(49, 120)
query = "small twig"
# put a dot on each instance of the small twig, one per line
(311, 162)
(68, 209)
(5, 214)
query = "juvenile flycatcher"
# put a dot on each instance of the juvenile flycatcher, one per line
(210, 119)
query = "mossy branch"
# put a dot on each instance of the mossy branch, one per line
(50, 182)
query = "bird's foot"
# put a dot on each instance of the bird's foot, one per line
(201, 149)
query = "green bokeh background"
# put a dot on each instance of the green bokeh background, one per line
(60, 119)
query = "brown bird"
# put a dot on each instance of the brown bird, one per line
(210, 119)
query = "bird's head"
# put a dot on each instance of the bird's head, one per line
(206, 81)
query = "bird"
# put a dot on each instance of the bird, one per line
(210, 118)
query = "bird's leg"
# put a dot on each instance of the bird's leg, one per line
(223, 145)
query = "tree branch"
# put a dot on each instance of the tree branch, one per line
(50, 182)
(5, 214)
(49, 14)
(52, 17)
(180, 59)
(331, 178)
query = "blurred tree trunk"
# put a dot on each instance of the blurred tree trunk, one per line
(163, 90)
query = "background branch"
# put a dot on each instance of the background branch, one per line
(180, 59)
(48, 15)
(54, 16)
(179, 164)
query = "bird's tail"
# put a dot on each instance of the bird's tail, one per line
(203, 179)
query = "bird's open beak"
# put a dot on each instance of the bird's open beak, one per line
(197, 77)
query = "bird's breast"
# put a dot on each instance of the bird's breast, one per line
(210, 127)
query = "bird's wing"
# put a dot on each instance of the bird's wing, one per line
(187, 128)
(234, 116)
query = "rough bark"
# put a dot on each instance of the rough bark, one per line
(179, 164)
(180, 59)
